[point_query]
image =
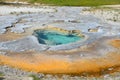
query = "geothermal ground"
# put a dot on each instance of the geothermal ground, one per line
(97, 56)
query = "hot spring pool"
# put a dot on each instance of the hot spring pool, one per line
(49, 37)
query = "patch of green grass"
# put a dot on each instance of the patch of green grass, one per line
(77, 2)
(34, 77)
(1, 74)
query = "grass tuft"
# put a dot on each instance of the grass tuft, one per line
(34, 77)
(1, 74)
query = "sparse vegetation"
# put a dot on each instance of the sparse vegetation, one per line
(1, 1)
(1, 74)
(77, 2)
(34, 77)
(70, 2)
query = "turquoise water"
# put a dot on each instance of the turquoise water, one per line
(55, 38)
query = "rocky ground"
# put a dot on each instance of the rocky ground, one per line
(20, 49)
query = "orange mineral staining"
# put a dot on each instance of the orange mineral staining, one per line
(59, 64)
(55, 65)
(115, 43)
(10, 36)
